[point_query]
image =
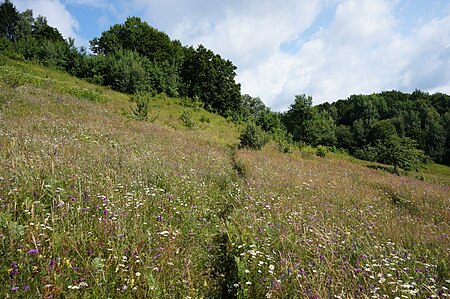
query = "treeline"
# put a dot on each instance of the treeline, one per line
(390, 127)
(401, 129)
(130, 57)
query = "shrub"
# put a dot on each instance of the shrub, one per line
(142, 105)
(253, 137)
(321, 151)
(205, 119)
(187, 118)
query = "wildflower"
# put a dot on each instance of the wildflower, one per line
(14, 288)
(164, 233)
(33, 251)
(83, 285)
(248, 283)
(138, 274)
(13, 271)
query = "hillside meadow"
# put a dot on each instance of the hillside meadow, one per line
(97, 204)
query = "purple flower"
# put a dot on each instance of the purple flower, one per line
(14, 288)
(14, 271)
(33, 251)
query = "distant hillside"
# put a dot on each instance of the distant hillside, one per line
(96, 203)
(406, 131)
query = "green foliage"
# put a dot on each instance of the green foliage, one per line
(138, 36)
(211, 78)
(321, 151)
(205, 119)
(142, 100)
(284, 143)
(363, 120)
(187, 117)
(9, 17)
(308, 124)
(84, 93)
(400, 152)
(44, 32)
(297, 117)
(253, 137)
(251, 108)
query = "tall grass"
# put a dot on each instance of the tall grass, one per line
(95, 204)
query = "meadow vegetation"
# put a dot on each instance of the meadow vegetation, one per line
(99, 202)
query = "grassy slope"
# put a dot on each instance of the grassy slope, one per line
(121, 208)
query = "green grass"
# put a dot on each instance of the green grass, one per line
(96, 204)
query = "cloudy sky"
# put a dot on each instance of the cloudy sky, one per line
(328, 49)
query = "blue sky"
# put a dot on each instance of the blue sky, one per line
(328, 49)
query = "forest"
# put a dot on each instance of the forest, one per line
(406, 130)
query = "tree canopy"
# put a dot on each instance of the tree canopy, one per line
(212, 79)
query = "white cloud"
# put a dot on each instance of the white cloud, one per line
(360, 51)
(56, 13)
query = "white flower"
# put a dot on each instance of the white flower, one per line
(248, 283)
(164, 233)
(271, 267)
(83, 284)
(138, 274)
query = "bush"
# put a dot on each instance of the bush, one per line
(205, 119)
(253, 137)
(187, 118)
(321, 151)
(142, 105)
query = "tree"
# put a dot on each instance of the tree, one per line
(446, 125)
(320, 129)
(344, 137)
(44, 32)
(381, 130)
(400, 152)
(25, 24)
(9, 17)
(312, 125)
(138, 36)
(253, 137)
(212, 79)
(252, 108)
(297, 117)
(126, 71)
